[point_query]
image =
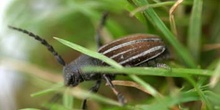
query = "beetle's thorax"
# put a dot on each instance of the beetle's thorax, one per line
(73, 74)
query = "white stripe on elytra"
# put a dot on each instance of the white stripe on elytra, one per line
(150, 57)
(145, 53)
(129, 43)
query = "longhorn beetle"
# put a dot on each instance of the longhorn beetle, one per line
(132, 50)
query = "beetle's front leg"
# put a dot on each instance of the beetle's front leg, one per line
(120, 97)
(93, 89)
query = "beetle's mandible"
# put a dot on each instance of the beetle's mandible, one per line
(132, 50)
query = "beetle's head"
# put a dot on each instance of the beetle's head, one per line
(72, 76)
(72, 72)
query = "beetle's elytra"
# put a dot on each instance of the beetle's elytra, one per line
(131, 50)
(134, 50)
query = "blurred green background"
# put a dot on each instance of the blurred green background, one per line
(77, 20)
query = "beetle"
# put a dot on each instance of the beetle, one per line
(132, 50)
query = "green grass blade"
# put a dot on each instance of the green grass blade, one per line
(169, 101)
(194, 32)
(89, 53)
(68, 100)
(52, 89)
(174, 72)
(199, 91)
(214, 97)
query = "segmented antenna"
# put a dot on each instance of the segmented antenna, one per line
(99, 29)
(44, 42)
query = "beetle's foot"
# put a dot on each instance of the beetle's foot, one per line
(165, 66)
(121, 99)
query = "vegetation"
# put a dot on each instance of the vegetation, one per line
(190, 29)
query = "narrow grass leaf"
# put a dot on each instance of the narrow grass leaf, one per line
(194, 32)
(174, 72)
(89, 53)
(68, 100)
(214, 97)
(171, 101)
(49, 90)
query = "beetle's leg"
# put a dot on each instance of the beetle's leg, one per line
(120, 97)
(93, 89)
(99, 29)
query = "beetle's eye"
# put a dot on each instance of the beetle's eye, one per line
(70, 81)
(73, 79)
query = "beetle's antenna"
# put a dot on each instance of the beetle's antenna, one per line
(99, 29)
(44, 42)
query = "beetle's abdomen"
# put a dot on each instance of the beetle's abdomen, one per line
(134, 50)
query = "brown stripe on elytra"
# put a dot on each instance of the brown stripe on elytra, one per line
(143, 56)
(136, 48)
(150, 56)
(132, 38)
